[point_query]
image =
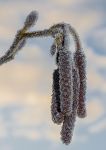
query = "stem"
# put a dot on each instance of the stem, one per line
(44, 33)
(76, 38)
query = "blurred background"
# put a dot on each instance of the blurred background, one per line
(26, 81)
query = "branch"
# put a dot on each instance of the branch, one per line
(19, 40)
(69, 79)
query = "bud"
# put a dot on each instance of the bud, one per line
(53, 49)
(31, 19)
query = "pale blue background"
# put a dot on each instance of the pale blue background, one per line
(25, 83)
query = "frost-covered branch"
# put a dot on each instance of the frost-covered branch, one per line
(69, 78)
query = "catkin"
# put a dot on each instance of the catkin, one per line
(65, 72)
(80, 61)
(69, 121)
(57, 116)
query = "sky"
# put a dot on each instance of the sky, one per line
(26, 81)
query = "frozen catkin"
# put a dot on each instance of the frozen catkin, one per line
(79, 58)
(56, 113)
(65, 73)
(65, 82)
(69, 121)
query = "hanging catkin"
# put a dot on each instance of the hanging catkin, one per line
(69, 121)
(65, 73)
(65, 82)
(80, 60)
(57, 116)
(81, 64)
